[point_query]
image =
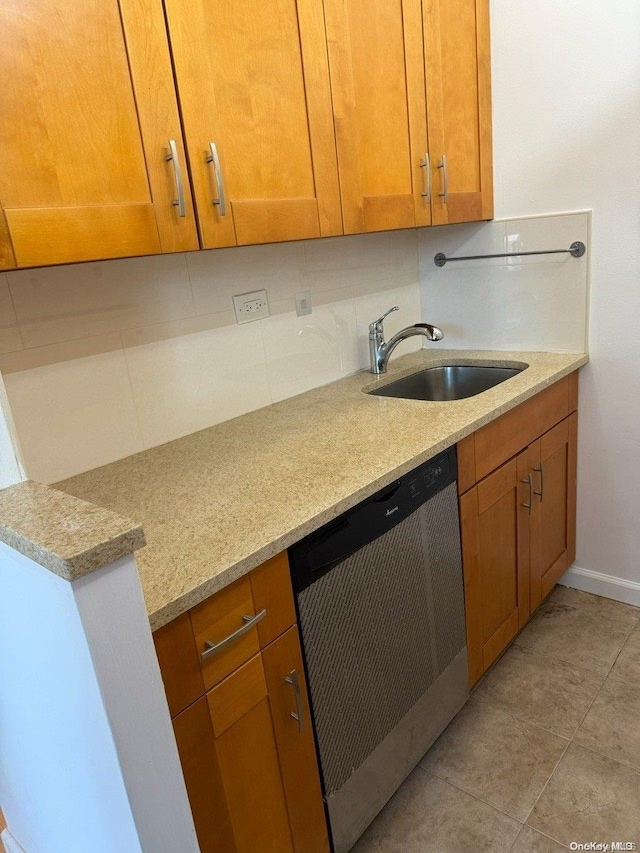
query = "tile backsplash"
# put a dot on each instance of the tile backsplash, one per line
(102, 360)
(537, 302)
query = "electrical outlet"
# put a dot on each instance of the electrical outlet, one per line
(251, 306)
(303, 303)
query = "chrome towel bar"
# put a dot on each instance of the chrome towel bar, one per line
(576, 249)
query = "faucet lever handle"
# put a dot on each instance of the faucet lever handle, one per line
(377, 324)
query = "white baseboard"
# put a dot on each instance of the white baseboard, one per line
(608, 586)
(10, 844)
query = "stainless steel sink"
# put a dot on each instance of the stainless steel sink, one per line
(452, 382)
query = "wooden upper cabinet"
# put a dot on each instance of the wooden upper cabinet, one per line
(457, 58)
(254, 91)
(7, 258)
(83, 172)
(378, 86)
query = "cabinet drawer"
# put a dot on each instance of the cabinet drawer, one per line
(223, 632)
(485, 450)
(200, 648)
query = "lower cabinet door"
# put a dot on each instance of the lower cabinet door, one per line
(495, 545)
(231, 767)
(296, 747)
(553, 523)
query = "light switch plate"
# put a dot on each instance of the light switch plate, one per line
(251, 306)
(303, 303)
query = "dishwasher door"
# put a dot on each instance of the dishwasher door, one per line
(383, 631)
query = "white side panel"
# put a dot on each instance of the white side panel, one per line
(89, 763)
(61, 785)
(113, 614)
(10, 844)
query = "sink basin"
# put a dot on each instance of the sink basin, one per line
(452, 382)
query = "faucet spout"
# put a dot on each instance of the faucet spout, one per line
(380, 352)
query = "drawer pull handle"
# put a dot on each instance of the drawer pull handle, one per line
(426, 165)
(172, 157)
(297, 715)
(540, 471)
(444, 195)
(221, 200)
(528, 480)
(249, 623)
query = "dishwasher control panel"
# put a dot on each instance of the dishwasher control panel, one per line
(317, 553)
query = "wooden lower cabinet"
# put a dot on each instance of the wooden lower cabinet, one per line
(553, 521)
(518, 538)
(250, 767)
(296, 745)
(495, 540)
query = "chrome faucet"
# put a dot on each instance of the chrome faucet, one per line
(379, 351)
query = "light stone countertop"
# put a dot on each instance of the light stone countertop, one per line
(217, 503)
(70, 537)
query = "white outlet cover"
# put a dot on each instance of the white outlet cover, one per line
(303, 303)
(251, 306)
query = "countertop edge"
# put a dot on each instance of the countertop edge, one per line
(64, 534)
(222, 579)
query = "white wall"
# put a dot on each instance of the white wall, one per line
(566, 101)
(11, 467)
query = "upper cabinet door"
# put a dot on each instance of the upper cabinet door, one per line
(378, 87)
(7, 258)
(254, 91)
(74, 183)
(457, 56)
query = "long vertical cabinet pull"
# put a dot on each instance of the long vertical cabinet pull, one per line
(528, 480)
(213, 158)
(445, 179)
(297, 715)
(540, 470)
(426, 165)
(173, 158)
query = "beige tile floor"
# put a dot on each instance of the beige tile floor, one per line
(545, 753)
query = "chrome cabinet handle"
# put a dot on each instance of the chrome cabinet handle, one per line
(426, 164)
(540, 471)
(297, 715)
(529, 480)
(250, 622)
(444, 195)
(172, 157)
(213, 158)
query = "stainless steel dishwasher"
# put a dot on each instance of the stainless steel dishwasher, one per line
(380, 600)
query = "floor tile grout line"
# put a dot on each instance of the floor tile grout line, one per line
(633, 631)
(570, 663)
(520, 719)
(572, 739)
(607, 757)
(546, 784)
(552, 657)
(473, 796)
(544, 834)
(629, 683)
(548, 657)
(586, 713)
